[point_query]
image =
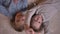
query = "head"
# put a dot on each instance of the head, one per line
(19, 22)
(36, 23)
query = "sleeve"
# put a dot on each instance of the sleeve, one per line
(24, 4)
(47, 11)
(3, 11)
(5, 2)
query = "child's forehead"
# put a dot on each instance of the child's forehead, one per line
(20, 14)
(36, 16)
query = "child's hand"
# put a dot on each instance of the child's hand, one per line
(29, 31)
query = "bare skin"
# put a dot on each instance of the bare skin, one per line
(30, 31)
(36, 21)
(19, 19)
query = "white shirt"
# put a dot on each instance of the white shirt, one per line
(47, 10)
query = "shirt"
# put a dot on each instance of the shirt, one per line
(13, 8)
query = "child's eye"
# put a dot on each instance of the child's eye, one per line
(38, 22)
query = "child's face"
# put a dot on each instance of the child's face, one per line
(36, 21)
(19, 21)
